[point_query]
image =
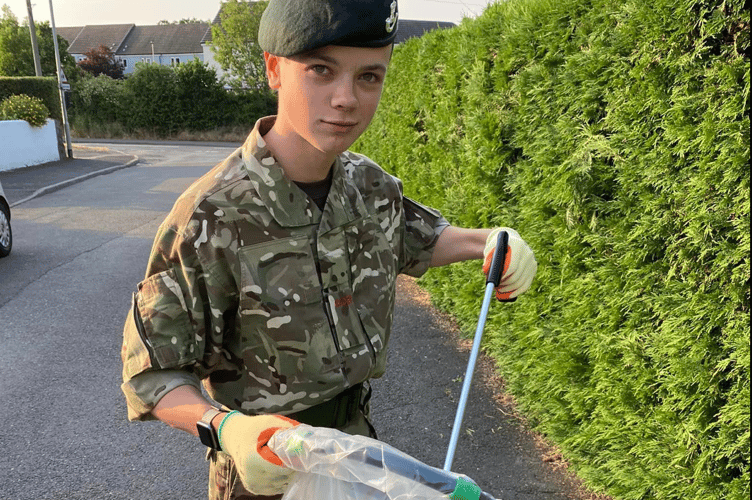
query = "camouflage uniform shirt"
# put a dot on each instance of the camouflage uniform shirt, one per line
(275, 305)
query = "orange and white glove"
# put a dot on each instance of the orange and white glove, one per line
(519, 266)
(246, 439)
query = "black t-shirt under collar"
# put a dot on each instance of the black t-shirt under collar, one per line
(318, 191)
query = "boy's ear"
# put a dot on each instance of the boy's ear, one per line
(272, 70)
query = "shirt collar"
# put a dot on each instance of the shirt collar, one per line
(286, 202)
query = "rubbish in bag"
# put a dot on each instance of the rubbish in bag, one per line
(333, 465)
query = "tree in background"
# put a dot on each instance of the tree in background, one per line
(47, 52)
(101, 61)
(235, 43)
(192, 20)
(16, 58)
(12, 46)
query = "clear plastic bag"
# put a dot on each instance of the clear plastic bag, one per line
(330, 464)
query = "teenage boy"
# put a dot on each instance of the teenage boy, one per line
(272, 280)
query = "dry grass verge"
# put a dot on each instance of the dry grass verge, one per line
(116, 131)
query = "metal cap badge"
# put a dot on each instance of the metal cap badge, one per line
(392, 20)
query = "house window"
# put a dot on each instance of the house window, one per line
(174, 60)
(145, 60)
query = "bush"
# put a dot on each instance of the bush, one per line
(151, 99)
(246, 107)
(44, 88)
(615, 137)
(23, 107)
(202, 102)
(163, 100)
(97, 99)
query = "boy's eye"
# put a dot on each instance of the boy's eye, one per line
(371, 77)
(320, 70)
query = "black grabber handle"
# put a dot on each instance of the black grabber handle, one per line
(497, 264)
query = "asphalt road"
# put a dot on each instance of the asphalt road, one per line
(78, 254)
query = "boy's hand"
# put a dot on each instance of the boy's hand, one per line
(246, 440)
(519, 267)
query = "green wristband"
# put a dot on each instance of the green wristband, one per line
(221, 424)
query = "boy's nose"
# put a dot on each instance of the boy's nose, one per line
(344, 96)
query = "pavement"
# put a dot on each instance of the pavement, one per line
(24, 184)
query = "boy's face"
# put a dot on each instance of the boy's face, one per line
(328, 96)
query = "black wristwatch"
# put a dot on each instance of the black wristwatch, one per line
(206, 432)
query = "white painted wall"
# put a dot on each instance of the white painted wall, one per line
(209, 59)
(163, 59)
(22, 145)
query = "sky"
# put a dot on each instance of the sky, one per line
(150, 12)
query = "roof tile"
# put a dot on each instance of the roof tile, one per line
(167, 38)
(91, 37)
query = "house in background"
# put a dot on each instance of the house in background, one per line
(82, 39)
(169, 44)
(409, 28)
(163, 44)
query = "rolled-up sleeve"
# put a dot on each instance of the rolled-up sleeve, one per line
(143, 391)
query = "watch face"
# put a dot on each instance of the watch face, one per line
(207, 435)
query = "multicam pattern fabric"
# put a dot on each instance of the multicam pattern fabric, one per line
(274, 304)
(224, 481)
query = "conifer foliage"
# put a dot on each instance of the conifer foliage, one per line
(615, 137)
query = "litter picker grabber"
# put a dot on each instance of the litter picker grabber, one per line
(493, 280)
(334, 465)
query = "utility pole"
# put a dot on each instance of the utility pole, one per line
(34, 45)
(60, 81)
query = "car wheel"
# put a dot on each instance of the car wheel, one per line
(6, 235)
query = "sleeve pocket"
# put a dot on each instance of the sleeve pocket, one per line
(165, 319)
(423, 226)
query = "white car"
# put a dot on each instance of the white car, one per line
(6, 235)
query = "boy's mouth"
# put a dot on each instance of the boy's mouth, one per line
(340, 124)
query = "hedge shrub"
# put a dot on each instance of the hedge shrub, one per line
(201, 98)
(247, 106)
(45, 88)
(98, 99)
(165, 100)
(23, 107)
(151, 99)
(615, 137)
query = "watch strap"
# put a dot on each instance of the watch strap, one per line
(206, 431)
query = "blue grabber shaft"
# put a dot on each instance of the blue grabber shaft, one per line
(493, 280)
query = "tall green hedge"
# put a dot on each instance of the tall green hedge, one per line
(615, 137)
(45, 88)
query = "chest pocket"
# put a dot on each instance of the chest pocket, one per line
(279, 274)
(280, 295)
(283, 330)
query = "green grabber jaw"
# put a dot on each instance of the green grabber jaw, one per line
(295, 443)
(466, 490)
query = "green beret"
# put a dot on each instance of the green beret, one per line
(290, 27)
